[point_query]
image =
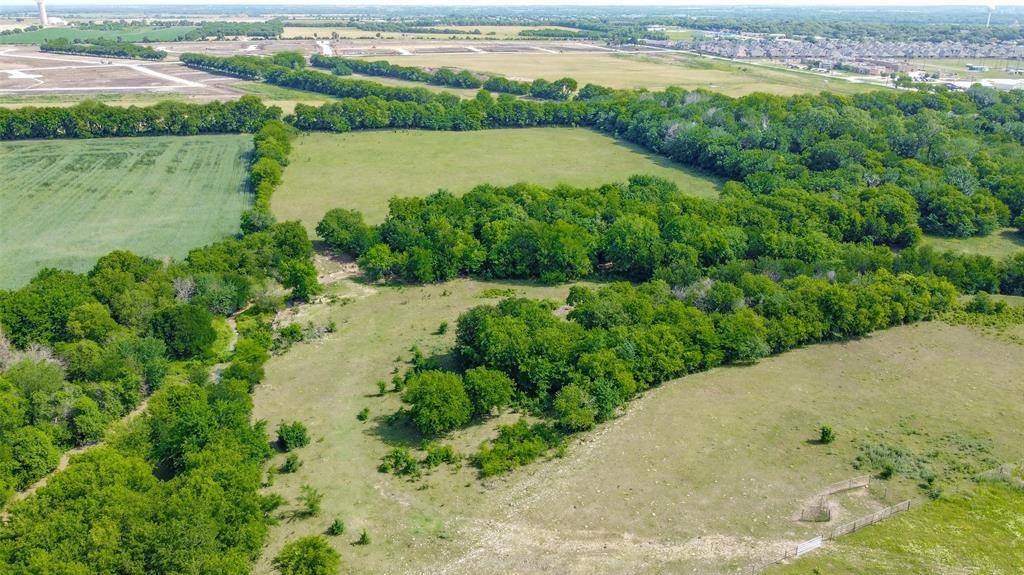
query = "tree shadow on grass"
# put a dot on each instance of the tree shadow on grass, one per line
(395, 430)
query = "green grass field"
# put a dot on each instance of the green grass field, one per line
(701, 475)
(976, 533)
(296, 30)
(128, 34)
(363, 170)
(65, 203)
(652, 71)
(999, 244)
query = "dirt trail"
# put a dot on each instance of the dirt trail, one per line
(65, 458)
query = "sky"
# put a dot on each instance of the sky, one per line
(58, 3)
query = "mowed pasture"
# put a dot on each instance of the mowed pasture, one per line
(65, 203)
(700, 475)
(999, 244)
(655, 71)
(362, 170)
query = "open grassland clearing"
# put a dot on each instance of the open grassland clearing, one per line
(701, 475)
(958, 66)
(296, 30)
(649, 70)
(65, 203)
(361, 171)
(999, 244)
(127, 34)
(980, 532)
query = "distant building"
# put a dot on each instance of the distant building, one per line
(977, 68)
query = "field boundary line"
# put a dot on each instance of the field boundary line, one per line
(838, 531)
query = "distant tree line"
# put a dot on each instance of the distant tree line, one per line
(256, 68)
(91, 119)
(269, 29)
(561, 89)
(957, 155)
(101, 47)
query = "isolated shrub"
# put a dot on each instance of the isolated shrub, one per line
(439, 402)
(363, 414)
(291, 333)
(438, 454)
(826, 435)
(292, 435)
(337, 527)
(311, 500)
(487, 389)
(364, 538)
(291, 464)
(187, 329)
(311, 555)
(400, 461)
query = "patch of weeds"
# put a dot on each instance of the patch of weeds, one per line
(492, 293)
(400, 461)
(932, 461)
(438, 454)
(291, 464)
(516, 445)
(337, 527)
(363, 414)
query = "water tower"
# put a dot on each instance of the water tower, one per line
(42, 14)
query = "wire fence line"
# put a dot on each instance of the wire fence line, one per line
(837, 531)
(819, 510)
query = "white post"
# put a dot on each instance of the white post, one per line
(42, 14)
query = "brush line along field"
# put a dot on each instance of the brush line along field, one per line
(655, 71)
(361, 171)
(65, 203)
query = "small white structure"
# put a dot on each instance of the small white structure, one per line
(42, 14)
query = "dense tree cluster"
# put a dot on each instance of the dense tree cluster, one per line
(101, 47)
(93, 119)
(729, 281)
(177, 490)
(953, 159)
(953, 153)
(438, 77)
(621, 339)
(444, 113)
(253, 67)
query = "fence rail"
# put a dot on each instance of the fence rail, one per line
(838, 531)
(852, 483)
